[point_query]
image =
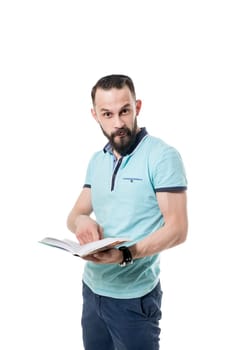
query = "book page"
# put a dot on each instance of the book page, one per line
(93, 247)
(82, 250)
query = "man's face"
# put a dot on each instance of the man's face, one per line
(116, 111)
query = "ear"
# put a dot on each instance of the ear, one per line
(138, 106)
(93, 112)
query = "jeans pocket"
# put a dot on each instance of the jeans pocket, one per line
(151, 304)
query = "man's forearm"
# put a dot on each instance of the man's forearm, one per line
(164, 238)
(72, 221)
(82, 207)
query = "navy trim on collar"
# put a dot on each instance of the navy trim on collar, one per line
(140, 135)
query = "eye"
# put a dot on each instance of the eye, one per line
(124, 111)
(107, 115)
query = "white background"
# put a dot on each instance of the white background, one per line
(179, 54)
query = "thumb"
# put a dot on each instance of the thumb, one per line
(100, 231)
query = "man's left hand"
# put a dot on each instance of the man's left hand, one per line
(110, 256)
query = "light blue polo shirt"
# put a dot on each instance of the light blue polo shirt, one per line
(124, 202)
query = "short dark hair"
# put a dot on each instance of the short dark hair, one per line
(117, 81)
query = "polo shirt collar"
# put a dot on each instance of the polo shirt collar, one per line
(139, 136)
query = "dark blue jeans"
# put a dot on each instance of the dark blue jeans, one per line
(121, 324)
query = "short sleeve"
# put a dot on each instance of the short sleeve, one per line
(88, 178)
(169, 173)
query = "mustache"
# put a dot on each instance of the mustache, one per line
(119, 132)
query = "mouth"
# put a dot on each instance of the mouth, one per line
(121, 133)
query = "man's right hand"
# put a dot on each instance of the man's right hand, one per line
(87, 229)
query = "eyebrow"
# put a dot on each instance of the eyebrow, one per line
(107, 110)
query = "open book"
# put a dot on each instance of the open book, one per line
(85, 249)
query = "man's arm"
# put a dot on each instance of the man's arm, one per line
(173, 207)
(79, 222)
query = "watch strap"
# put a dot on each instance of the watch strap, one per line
(127, 256)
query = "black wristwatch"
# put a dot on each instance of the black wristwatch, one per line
(127, 256)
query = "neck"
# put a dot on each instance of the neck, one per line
(117, 155)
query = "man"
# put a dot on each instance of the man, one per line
(136, 189)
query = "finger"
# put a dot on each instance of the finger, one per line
(100, 231)
(91, 258)
(99, 256)
(87, 237)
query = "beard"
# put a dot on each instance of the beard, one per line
(125, 136)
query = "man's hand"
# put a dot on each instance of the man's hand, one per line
(87, 229)
(110, 256)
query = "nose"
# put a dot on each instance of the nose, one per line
(118, 122)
